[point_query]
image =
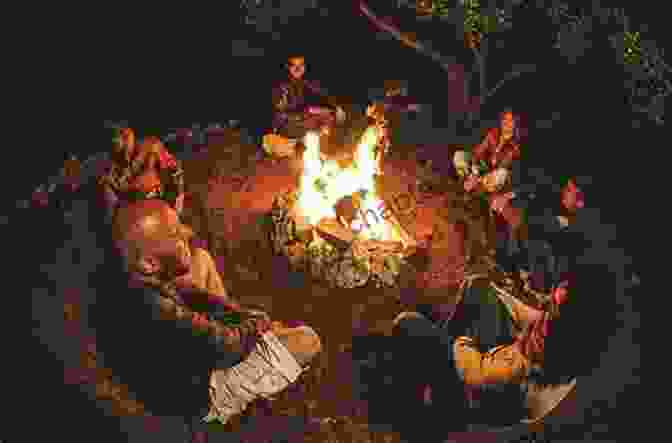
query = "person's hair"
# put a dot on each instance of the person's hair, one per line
(293, 55)
(393, 85)
(517, 128)
(586, 321)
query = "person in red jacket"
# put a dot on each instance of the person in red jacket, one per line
(489, 164)
(142, 170)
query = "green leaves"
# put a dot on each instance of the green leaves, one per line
(441, 7)
(116, 136)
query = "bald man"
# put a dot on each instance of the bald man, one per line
(189, 353)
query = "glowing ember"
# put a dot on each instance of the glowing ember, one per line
(324, 183)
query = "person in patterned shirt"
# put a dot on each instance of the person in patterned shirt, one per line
(292, 98)
(169, 330)
(142, 170)
(490, 164)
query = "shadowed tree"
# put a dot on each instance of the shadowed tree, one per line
(482, 23)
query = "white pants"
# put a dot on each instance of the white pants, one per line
(268, 370)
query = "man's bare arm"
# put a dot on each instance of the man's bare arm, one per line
(233, 339)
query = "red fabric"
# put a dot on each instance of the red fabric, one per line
(166, 159)
(486, 150)
(40, 198)
(533, 342)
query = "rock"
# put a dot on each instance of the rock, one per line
(349, 273)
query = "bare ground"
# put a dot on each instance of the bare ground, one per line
(224, 211)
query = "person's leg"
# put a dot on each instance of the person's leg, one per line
(302, 342)
(424, 358)
(274, 364)
(482, 316)
(538, 263)
(523, 315)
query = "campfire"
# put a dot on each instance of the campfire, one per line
(336, 224)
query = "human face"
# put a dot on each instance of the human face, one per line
(507, 122)
(174, 253)
(571, 197)
(296, 67)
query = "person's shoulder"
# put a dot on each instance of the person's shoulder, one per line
(202, 255)
(492, 132)
(313, 84)
(280, 85)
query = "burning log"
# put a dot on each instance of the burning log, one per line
(371, 247)
(335, 233)
(406, 238)
(347, 210)
(296, 253)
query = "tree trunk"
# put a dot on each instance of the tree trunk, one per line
(458, 79)
(474, 111)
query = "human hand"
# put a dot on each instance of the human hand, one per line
(560, 294)
(500, 201)
(187, 283)
(340, 114)
(200, 320)
(179, 203)
(370, 110)
(471, 182)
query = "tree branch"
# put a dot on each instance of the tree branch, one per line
(420, 47)
(511, 75)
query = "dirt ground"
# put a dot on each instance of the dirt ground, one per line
(227, 195)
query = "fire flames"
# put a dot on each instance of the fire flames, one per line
(324, 183)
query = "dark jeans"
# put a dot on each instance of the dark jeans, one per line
(540, 262)
(424, 356)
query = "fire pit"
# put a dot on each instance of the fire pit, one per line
(335, 226)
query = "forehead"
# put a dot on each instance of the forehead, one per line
(296, 61)
(507, 116)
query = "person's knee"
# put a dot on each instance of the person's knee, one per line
(302, 342)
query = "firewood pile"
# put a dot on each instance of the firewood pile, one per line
(333, 253)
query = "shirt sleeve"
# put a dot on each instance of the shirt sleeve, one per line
(510, 157)
(279, 98)
(480, 150)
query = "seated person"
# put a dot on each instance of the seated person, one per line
(541, 221)
(299, 104)
(488, 166)
(142, 170)
(178, 346)
(386, 113)
(497, 361)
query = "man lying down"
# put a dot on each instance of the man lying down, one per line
(167, 328)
